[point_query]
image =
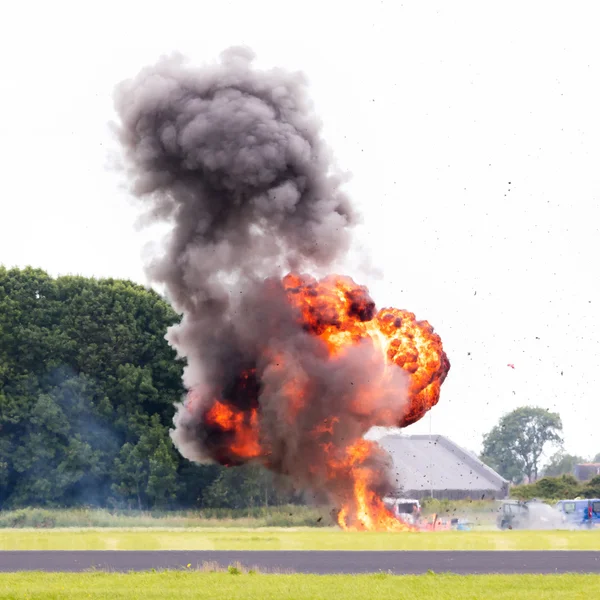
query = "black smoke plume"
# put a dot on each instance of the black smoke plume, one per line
(231, 157)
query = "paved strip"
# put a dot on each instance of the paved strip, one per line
(319, 562)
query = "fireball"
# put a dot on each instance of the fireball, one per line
(339, 315)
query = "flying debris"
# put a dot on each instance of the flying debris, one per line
(510, 365)
(284, 369)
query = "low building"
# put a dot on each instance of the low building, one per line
(434, 466)
(586, 471)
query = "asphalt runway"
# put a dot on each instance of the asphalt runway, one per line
(319, 562)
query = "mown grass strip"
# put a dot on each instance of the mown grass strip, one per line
(224, 586)
(291, 539)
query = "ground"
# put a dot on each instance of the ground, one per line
(224, 586)
(290, 539)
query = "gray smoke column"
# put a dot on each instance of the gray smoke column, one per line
(231, 157)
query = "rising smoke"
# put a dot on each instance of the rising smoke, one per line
(231, 156)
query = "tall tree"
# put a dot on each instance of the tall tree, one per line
(516, 445)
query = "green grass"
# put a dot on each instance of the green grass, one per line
(224, 586)
(479, 512)
(272, 516)
(291, 539)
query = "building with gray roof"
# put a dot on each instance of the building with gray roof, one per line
(434, 466)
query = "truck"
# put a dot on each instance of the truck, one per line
(580, 512)
(513, 514)
(531, 514)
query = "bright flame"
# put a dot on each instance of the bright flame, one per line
(242, 425)
(365, 510)
(341, 314)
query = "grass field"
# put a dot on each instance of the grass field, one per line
(224, 586)
(291, 539)
(478, 512)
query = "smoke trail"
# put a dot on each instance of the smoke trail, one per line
(232, 158)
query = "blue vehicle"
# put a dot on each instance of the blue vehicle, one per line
(581, 512)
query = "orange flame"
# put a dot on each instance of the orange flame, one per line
(341, 314)
(364, 511)
(243, 426)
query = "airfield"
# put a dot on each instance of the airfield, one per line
(300, 550)
(295, 562)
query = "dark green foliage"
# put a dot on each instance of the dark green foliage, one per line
(592, 488)
(88, 386)
(246, 486)
(549, 488)
(515, 446)
(556, 488)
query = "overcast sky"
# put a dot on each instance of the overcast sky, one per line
(472, 131)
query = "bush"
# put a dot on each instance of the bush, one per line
(28, 517)
(592, 487)
(550, 488)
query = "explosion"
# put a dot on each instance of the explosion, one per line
(285, 370)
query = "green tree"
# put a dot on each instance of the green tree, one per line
(242, 487)
(84, 370)
(516, 445)
(596, 458)
(129, 474)
(146, 471)
(162, 475)
(561, 463)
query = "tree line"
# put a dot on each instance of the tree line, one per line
(88, 386)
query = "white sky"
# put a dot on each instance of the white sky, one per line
(472, 131)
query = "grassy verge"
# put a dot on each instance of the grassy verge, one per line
(216, 586)
(481, 513)
(272, 516)
(292, 539)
